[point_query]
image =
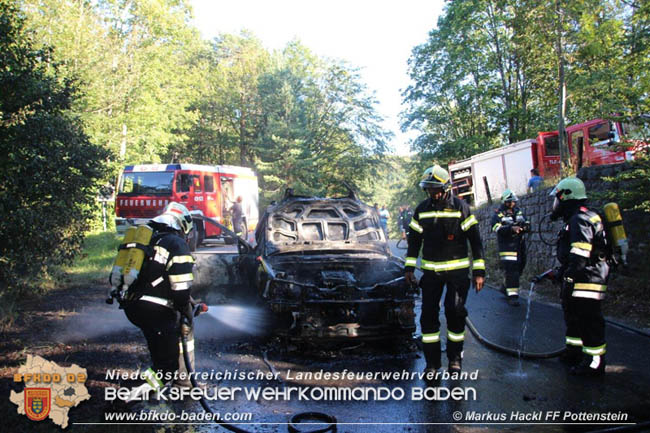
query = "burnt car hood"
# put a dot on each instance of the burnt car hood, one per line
(309, 225)
(329, 276)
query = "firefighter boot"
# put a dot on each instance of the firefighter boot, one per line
(432, 356)
(590, 366)
(455, 356)
(572, 356)
(513, 301)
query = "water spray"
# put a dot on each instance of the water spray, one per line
(296, 420)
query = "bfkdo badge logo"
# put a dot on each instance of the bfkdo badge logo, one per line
(38, 402)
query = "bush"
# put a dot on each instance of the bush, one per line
(636, 194)
(49, 169)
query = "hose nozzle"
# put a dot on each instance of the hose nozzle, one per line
(550, 274)
(200, 308)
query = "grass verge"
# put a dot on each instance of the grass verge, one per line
(91, 266)
(95, 261)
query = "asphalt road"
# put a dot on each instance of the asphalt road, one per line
(508, 394)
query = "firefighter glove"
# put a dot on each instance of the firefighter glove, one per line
(567, 288)
(186, 314)
(186, 329)
(409, 276)
(478, 283)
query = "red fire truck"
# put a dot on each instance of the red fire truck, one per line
(489, 173)
(589, 144)
(206, 190)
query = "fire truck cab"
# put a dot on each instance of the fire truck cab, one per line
(144, 190)
(589, 144)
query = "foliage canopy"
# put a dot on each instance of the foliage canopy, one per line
(49, 168)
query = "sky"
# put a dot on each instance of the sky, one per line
(375, 36)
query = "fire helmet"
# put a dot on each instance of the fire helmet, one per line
(435, 177)
(567, 192)
(176, 216)
(509, 196)
(569, 188)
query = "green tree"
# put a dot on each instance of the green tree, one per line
(636, 51)
(454, 95)
(321, 126)
(133, 60)
(299, 121)
(490, 73)
(49, 170)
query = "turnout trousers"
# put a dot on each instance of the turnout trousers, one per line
(433, 284)
(161, 328)
(513, 264)
(585, 324)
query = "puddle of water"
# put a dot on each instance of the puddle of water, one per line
(520, 374)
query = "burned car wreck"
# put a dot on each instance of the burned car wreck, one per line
(325, 270)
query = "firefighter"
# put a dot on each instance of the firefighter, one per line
(441, 225)
(510, 224)
(584, 271)
(238, 224)
(159, 300)
(405, 220)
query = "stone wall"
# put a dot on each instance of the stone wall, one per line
(538, 204)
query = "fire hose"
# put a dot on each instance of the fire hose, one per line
(328, 420)
(536, 355)
(507, 350)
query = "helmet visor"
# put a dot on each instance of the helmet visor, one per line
(561, 194)
(429, 184)
(432, 188)
(556, 204)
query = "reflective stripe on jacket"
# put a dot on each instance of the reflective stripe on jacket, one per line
(166, 277)
(581, 251)
(442, 231)
(501, 223)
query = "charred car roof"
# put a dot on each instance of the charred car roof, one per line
(320, 225)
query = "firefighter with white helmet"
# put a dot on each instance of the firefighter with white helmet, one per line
(510, 224)
(158, 302)
(441, 226)
(582, 252)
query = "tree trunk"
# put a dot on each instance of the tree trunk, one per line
(562, 138)
(123, 142)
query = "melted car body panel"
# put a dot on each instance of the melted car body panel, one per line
(326, 271)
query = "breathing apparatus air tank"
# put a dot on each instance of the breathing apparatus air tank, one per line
(136, 255)
(115, 278)
(614, 224)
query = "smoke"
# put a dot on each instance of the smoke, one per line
(93, 322)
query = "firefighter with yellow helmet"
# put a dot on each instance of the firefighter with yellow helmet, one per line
(157, 300)
(441, 226)
(582, 252)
